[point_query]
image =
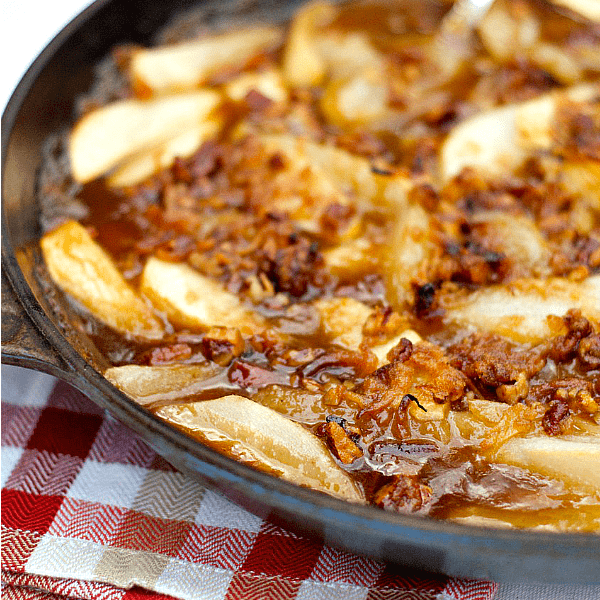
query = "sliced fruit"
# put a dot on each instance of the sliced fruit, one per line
(86, 272)
(500, 139)
(340, 168)
(357, 92)
(269, 83)
(260, 437)
(409, 251)
(303, 65)
(149, 385)
(342, 320)
(192, 300)
(359, 100)
(349, 54)
(186, 65)
(520, 310)
(588, 8)
(141, 166)
(506, 33)
(108, 135)
(575, 460)
(518, 238)
(353, 256)
(347, 172)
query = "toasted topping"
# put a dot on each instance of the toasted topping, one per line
(355, 251)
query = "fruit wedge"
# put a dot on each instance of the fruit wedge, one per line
(342, 320)
(85, 271)
(500, 139)
(575, 460)
(149, 385)
(145, 164)
(520, 310)
(409, 251)
(260, 437)
(588, 8)
(303, 65)
(186, 65)
(346, 171)
(192, 300)
(108, 135)
(269, 83)
(517, 237)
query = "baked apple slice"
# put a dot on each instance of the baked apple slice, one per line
(84, 270)
(262, 438)
(108, 135)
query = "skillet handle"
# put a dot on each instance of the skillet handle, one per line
(23, 344)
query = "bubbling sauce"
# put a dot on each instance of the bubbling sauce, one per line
(320, 203)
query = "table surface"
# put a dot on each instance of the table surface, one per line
(22, 38)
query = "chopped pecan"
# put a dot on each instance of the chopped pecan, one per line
(588, 352)
(425, 373)
(254, 377)
(222, 345)
(494, 361)
(554, 420)
(564, 347)
(402, 351)
(514, 392)
(293, 267)
(574, 392)
(167, 354)
(341, 444)
(404, 494)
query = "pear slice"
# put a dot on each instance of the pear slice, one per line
(520, 310)
(590, 9)
(381, 350)
(192, 300)
(260, 437)
(86, 272)
(108, 135)
(348, 54)
(186, 65)
(344, 170)
(148, 385)
(574, 460)
(142, 166)
(268, 82)
(409, 251)
(342, 320)
(500, 139)
(303, 65)
(518, 237)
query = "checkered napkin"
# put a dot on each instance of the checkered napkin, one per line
(89, 511)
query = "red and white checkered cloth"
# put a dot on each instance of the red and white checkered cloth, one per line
(90, 512)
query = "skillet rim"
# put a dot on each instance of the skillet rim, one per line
(261, 489)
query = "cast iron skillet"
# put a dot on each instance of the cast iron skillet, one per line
(40, 332)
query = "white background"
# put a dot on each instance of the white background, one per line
(28, 26)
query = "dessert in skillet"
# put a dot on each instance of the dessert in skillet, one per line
(356, 255)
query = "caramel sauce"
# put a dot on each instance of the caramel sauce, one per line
(296, 380)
